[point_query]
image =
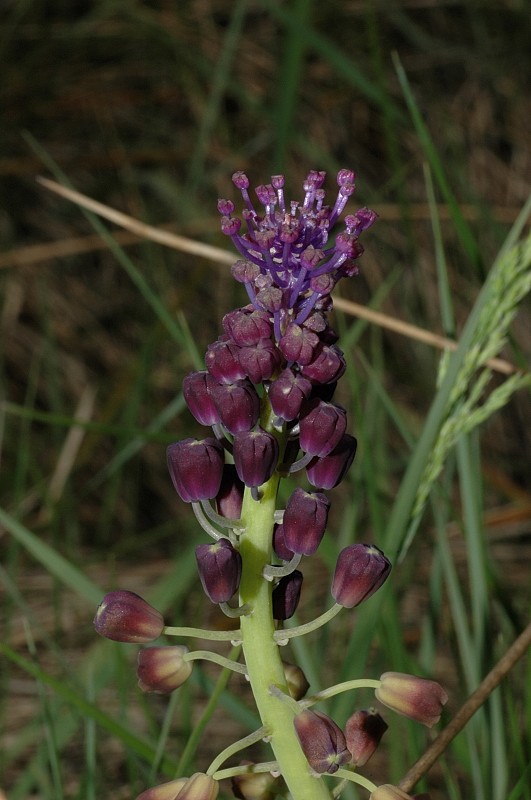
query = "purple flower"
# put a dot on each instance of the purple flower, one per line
(286, 595)
(255, 456)
(322, 741)
(220, 569)
(416, 698)
(229, 499)
(196, 468)
(162, 669)
(287, 394)
(360, 571)
(126, 617)
(198, 399)
(305, 521)
(363, 732)
(328, 471)
(322, 426)
(238, 405)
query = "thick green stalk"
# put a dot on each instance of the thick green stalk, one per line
(262, 654)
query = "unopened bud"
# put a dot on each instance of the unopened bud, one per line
(256, 786)
(220, 569)
(162, 669)
(125, 617)
(295, 680)
(305, 521)
(322, 741)
(360, 571)
(255, 456)
(196, 468)
(286, 595)
(328, 471)
(363, 732)
(416, 698)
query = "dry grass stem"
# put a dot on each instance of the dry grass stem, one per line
(219, 255)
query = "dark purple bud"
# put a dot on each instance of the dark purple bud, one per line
(125, 617)
(360, 571)
(327, 472)
(305, 520)
(246, 326)
(360, 220)
(279, 544)
(322, 741)
(198, 399)
(230, 225)
(295, 680)
(287, 394)
(316, 322)
(222, 362)
(255, 456)
(327, 365)
(162, 669)
(321, 427)
(363, 732)
(229, 499)
(196, 468)
(270, 298)
(260, 361)
(286, 595)
(238, 405)
(245, 271)
(298, 344)
(416, 698)
(220, 569)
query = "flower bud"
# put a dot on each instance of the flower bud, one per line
(298, 344)
(327, 472)
(238, 405)
(295, 680)
(322, 741)
(162, 669)
(196, 392)
(416, 698)
(222, 362)
(196, 468)
(360, 571)
(255, 456)
(321, 427)
(388, 792)
(279, 543)
(363, 732)
(125, 617)
(259, 361)
(305, 520)
(256, 785)
(246, 326)
(229, 499)
(220, 569)
(286, 595)
(164, 791)
(287, 394)
(328, 364)
(199, 787)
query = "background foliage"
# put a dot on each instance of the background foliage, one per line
(149, 107)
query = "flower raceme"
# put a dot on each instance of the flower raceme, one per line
(266, 396)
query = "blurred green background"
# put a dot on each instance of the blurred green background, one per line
(149, 107)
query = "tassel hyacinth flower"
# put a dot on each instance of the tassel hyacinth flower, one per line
(266, 400)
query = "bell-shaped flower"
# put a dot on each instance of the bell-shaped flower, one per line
(220, 569)
(279, 543)
(298, 344)
(229, 499)
(126, 617)
(322, 741)
(162, 669)
(417, 698)
(222, 361)
(196, 391)
(363, 732)
(286, 595)
(238, 405)
(287, 393)
(327, 472)
(196, 468)
(360, 571)
(259, 361)
(255, 456)
(305, 521)
(322, 426)
(328, 364)
(246, 326)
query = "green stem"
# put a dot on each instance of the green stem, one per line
(235, 747)
(261, 651)
(346, 686)
(355, 778)
(200, 633)
(206, 655)
(282, 636)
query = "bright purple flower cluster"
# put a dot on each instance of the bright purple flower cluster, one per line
(280, 346)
